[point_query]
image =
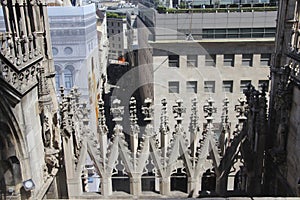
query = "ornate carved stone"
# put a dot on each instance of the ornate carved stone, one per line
(178, 111)
(117, 111)
(209, 109)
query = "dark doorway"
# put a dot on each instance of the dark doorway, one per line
(148, 182)
(120, 182)
(179, 181)
(208, 181)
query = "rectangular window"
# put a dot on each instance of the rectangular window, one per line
(209, 86)
(174, 87)
(245, 33)
(244, 85)
(258, 32)
(233, 33)
(220, 33)
(173, 60)
(210, 60)
(228, 86)
(228, 60)
(263, 82)
(265, 59)
(191, 86)
(68, 81)
(270, 32)
(191, 60)
(247, 60)
(208, 33)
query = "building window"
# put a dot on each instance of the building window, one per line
(191, 60)
(228, 86)
(120, 46)
(263, 82)
(191, 86)
(246, 33)
(232, 33)
(112, 31)
(220, 33)
(209, 86)
(244, 85)
(119, 31)
(174, 87)
(210, 60)
(258, 32)
(57, 81)
(173, 60)
(247, 60)
(228, 60)
(57, 77)
(68, 75)
(265, 59)
(68, 50)
(54, 51)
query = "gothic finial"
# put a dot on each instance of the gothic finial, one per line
(164, 116)
(195, 117)
(241, 110)
(225, 111)
(62, 91)
(248, 92)
(117, 110)
(101, 112)
(132, 110)
(209, 109)
(178, 110)
(76, 94)
(147, 110)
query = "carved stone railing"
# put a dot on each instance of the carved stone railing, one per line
(168, 151)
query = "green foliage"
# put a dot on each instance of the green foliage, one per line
(161, 9)
(114, 15)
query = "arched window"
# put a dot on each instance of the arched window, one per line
(57, 77)
(68, 75)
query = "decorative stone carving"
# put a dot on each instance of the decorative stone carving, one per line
(178, 110)
(209, 109)
(147, 110)
(117, 111)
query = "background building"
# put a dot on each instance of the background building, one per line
(203, 55)
(117, 29)
(76, 52)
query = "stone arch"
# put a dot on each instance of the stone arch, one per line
(12, 149)
(149, 175)
(120, 178)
